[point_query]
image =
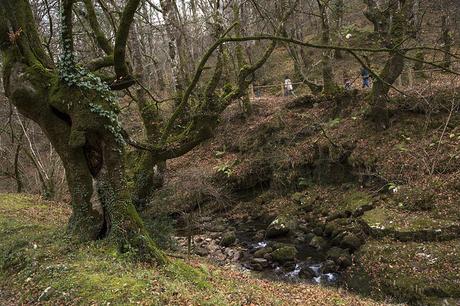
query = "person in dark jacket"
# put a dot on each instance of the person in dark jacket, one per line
(365, 76)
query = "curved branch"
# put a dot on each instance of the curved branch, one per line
(101, 62)
(102, 41)
(193, 84)
(121, 39)
(430, 63)
(67, 27)
(22, 22)
(173, 150)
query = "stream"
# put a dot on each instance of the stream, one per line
(307, 258)
(308, 265)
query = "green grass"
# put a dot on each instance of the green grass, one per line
(39, 263)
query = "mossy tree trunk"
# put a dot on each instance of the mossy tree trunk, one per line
(379, 111)
(446, 37)
(329, 87)
(338, 10)
(149, 170)
(394, 24)
(241, 61)
(75, 111)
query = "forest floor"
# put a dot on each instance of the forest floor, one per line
(40, 266)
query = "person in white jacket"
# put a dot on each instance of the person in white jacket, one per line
(288, 88)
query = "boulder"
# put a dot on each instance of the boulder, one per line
(335, 252)
(341, 257)
(331, 229)
(237, 255)
(259, 235)
(268, 256)
(260, 253)
(299, 239)
(309, 237)
(318, 231)
(228, 239)
(281, 226)
(256, 267)
(200, 251)
(337, 240)
(306, 272)
(284, 254)
(344, 261)
(350, 241)
(289, 266)
(329, 266)
(259, 262)
(318, 243)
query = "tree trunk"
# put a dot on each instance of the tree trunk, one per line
(149, 172)
(329, 86)
(90, 152)
(124, 226)
(88, 220)
(171, 22)
(394, 23)
(446, 38)
(379, 112)
(337, 12)
(78, 113)
(17, 172)
(241, 61)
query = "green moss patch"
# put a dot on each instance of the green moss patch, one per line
(391, 219)
(355, 199)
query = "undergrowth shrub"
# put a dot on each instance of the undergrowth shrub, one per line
(190, 190)
(162, 229)
(412, 198)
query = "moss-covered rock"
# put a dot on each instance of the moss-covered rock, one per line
(228, 239)
(354, 199)
(281, 226)
(284, 254)
(261, 252)
(351, 241)
(341, 257)
(408, 226)
(318, 242)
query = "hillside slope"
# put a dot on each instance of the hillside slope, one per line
(381, 208)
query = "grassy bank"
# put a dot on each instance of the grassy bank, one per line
(39, 265)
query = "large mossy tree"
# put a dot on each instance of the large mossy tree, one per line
(78, 112)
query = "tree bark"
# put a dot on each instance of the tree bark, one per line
(149, 172)
(446, 38)
(329, 86)
(241, 61)
(80, 121)
(171, 22)
(379, 111)
(393, 24)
